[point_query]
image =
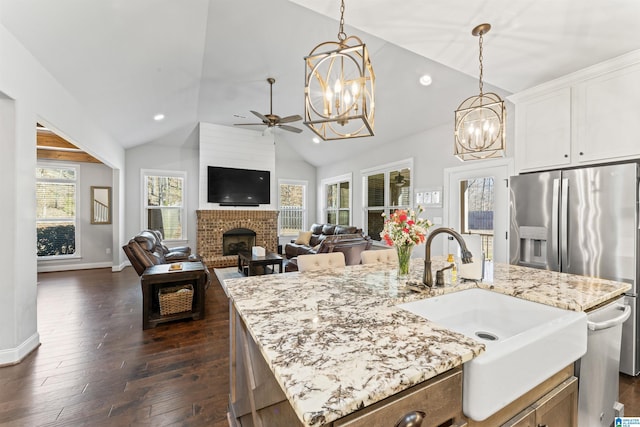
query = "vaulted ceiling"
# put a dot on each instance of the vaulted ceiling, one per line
(208, 60)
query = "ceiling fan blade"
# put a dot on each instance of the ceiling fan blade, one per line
(290, 119)
(260, 116)
(290, 128)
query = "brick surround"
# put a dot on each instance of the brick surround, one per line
(213, 223)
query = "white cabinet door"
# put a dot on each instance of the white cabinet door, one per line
(607, 116)
(543, 130)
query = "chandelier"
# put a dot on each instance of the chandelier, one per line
(480, 120)
(339, 86)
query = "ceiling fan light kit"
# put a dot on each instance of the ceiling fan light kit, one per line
(480, 120)
(339, 88)
(273, 120)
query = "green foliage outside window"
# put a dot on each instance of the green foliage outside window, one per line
(56, 239)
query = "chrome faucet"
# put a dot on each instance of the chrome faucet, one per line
(427, 277)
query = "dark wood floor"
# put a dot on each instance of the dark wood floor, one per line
(97, 367)
(630, 395)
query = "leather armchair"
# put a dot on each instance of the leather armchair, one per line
(176, 254)
(146, 249)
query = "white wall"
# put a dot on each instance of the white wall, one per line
(223, 146)
(169, 155)
(231, 147)
(289, 165)
(31, 94)
(95, 239)
(432, 151)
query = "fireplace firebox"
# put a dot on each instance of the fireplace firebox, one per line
(237, 240)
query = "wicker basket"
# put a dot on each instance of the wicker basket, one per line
(175, 299)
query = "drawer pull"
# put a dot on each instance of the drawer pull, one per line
(411, 419)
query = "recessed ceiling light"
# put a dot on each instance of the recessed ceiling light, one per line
(316, 140)
(425, 80)
(158, 117)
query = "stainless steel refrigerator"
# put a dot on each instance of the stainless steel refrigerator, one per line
(582, 221)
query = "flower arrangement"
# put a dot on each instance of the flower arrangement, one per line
(405, 228)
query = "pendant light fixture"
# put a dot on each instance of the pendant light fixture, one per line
(480, 120)
(339, 88)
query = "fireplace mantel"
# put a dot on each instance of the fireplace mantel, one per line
(212, 224)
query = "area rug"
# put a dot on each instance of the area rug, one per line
(227, 273)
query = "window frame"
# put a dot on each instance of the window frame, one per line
(76, 182)
(348, 178)
(305, 203)
(144, 173)
(385, 169)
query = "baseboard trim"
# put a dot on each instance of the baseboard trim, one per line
(13, 356)
(119, 268)
(68, 267)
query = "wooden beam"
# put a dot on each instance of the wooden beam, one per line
(50, 139)
(73, 156)
(47, 142)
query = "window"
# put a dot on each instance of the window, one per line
(337, 200)
(164, 201)
(57, 198)
(477, 210)
(386, 189)
(292, 203)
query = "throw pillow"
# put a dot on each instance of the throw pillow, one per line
(303, 238)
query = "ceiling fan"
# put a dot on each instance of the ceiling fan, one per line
(400, 180)
(273, 120)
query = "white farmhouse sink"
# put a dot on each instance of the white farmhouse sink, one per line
(526, 342)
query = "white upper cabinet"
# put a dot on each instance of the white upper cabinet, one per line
(587, 117)
(543, 130)
(607, 119)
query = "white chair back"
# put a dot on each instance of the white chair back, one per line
(375, 256)
(324, 261)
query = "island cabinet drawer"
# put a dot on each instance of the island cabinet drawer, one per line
(559, 407)
(440, 398)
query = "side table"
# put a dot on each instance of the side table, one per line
(159, 276)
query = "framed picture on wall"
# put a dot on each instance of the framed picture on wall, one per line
(429, 197)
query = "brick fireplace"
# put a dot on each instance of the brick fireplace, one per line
(212, 224)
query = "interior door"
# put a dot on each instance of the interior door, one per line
(499, 171)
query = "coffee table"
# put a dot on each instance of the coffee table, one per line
(247, 263)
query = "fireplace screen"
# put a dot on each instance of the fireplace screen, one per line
(237, 240)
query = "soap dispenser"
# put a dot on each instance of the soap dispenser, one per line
(452, 275)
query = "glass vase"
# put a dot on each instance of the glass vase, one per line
(404, 258)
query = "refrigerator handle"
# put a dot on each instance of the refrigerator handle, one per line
(564, 226)
(554, 220)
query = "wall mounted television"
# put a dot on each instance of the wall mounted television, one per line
(238, 187)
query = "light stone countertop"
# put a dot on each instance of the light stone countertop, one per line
(336, 342)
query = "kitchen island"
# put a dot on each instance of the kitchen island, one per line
(335, 342)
